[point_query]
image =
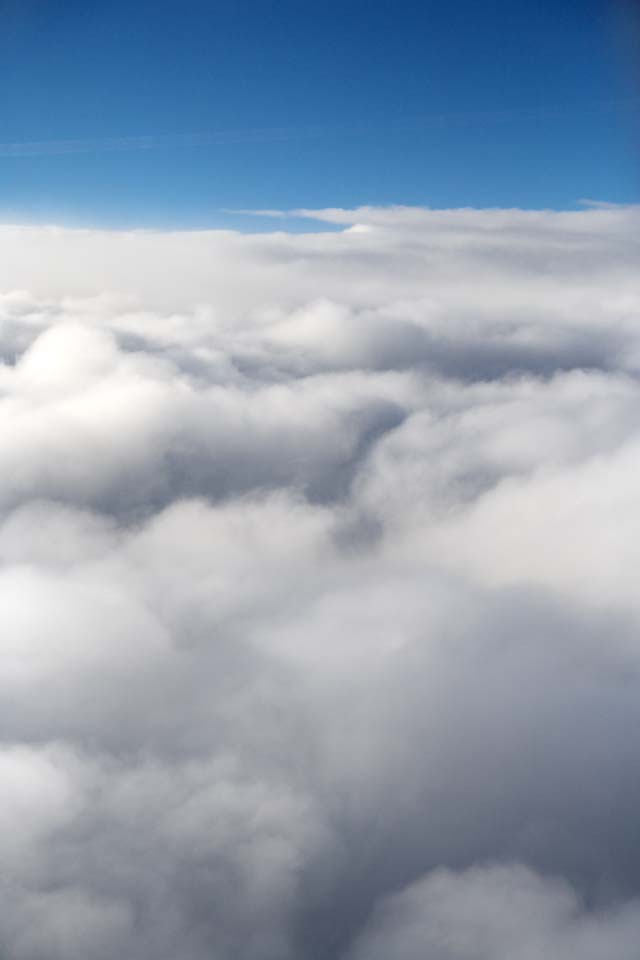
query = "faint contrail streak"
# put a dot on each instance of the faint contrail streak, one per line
(37, 148)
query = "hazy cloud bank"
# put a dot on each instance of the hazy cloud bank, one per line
(318, 577)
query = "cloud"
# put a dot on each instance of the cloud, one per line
(497, 912)
(317, 571)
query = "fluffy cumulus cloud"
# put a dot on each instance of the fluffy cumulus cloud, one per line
(318, 579)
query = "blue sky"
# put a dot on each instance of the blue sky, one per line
(287, 103)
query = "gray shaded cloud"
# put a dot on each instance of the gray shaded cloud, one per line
(318, 585)
(497, 912)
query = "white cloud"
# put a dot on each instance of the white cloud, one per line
(317, 572)
(498, 913)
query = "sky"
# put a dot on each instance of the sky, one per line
(170, 114)
(319, 458)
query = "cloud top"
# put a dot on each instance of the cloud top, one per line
(317, 570)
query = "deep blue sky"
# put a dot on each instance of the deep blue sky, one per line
(437, 103)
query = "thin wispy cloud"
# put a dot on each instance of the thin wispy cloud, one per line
(288, 134)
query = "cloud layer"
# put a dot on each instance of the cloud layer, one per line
(318, 575)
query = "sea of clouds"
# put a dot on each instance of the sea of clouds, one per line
(319, 560)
